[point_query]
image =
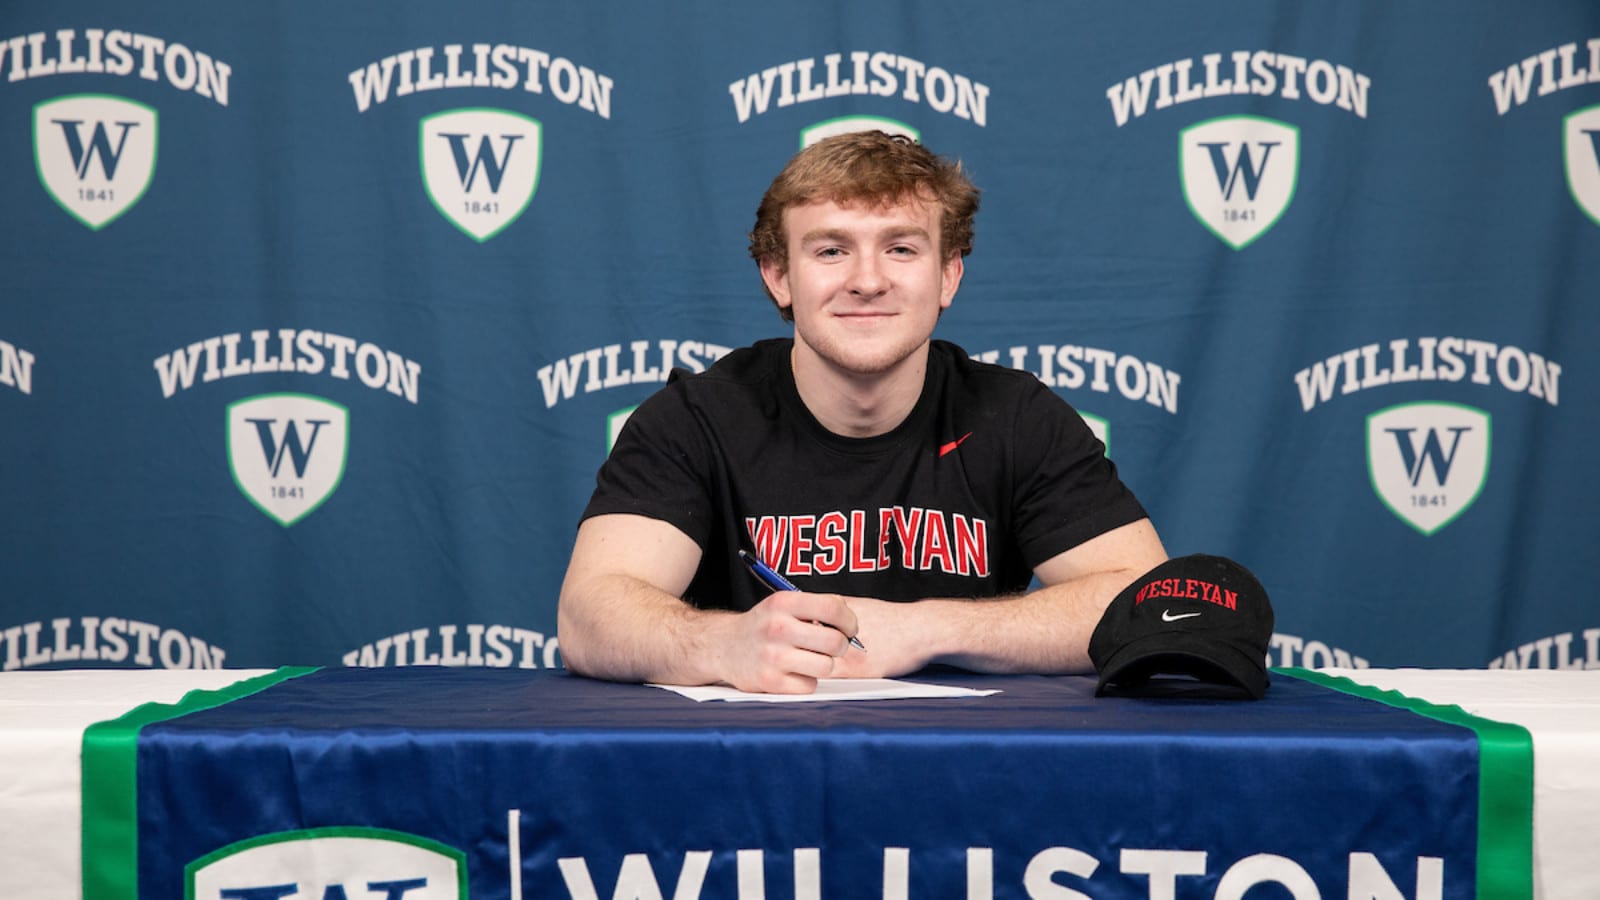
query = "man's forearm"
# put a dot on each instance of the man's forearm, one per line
(622, 629)
(1042, 631)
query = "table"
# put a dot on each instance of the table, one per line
(586, 789)
(1561, 711)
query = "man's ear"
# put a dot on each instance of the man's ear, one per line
(954, 268)
(774, 275)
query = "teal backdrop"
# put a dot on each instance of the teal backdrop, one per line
(317, 319)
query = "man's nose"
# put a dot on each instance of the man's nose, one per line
(867, 277)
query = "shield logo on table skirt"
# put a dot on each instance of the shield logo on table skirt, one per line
(287, 452)
(1428, 461)
(95, 153)
(1580, 139)
(331, 862)
(1239, 174)
(480, 167)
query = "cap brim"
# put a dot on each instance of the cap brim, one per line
(1132, 667)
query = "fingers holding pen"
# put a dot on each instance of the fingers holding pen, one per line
(770, 577)
(786, 643)
(820, 623)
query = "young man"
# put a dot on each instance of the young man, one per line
(908, 492)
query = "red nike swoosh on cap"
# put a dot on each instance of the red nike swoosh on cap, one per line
(946, 448)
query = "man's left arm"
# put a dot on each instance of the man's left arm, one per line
(1044, 631)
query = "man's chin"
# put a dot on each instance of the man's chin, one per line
(867, 359)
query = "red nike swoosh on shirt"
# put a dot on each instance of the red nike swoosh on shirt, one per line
(946, 448)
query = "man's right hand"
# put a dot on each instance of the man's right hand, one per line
(784, 643)
(621, 618)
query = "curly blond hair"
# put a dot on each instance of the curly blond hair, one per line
(869, 167)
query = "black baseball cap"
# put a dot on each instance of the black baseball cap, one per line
(1203, 618)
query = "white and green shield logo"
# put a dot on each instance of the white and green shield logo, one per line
(331, 862)
(1239, 174)
(287, 452)
(480, 167)
(1580, 141)
(1428, 461)
(1099, 427)
(96, 154)
(614, 423)
(850, 124)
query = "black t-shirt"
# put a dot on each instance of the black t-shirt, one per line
(990, 475)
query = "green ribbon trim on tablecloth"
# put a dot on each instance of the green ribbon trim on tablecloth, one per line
(1505, 785)
(110, 783)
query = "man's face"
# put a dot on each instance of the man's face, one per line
(865, 283)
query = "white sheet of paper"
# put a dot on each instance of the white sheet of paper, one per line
(832, 689)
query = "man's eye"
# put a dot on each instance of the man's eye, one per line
(829, 252)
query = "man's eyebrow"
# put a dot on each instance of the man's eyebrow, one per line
(890, 234)
(901, 232)
(824, 235)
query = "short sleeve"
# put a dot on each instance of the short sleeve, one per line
(660, 467)
(1066, 489)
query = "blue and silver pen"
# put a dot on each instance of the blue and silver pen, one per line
(777, 582)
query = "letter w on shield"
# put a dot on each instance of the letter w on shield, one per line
(1581, 146)
(310, 433)
(480, 167)
(1239, 174)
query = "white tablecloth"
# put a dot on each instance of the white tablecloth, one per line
(1561, 710)
(42, 718)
